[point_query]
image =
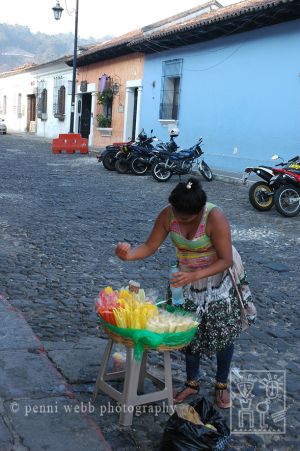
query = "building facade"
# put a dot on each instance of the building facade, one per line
(239, 90)
(18, 100)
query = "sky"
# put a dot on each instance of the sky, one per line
(96, 18)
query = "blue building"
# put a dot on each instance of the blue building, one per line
(231, 75)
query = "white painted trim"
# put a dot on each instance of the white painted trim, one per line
(134, 83)
(130, 86)
(166, 122)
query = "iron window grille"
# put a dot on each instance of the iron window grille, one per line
(19, 106)
(42, 98)
(59, 98)
(4, 104)
(170, 89)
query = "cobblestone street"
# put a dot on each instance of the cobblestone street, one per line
(61, 217)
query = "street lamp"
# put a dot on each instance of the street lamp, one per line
(57, 10)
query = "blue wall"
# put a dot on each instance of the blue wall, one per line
(241, 93)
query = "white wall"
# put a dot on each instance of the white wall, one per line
(11, 86)
(25, 83)
(52, 126)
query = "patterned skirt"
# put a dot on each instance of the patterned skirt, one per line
(215, 303)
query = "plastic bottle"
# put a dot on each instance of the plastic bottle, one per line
(177, 293)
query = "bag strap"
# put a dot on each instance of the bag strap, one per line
(239, 295)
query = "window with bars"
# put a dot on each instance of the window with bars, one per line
(59, 98)
(4, 106)
(19, 105)
(170, 89)
(42, 100)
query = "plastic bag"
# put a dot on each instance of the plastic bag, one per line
(183, 435)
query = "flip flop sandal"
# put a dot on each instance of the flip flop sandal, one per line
(194, 385)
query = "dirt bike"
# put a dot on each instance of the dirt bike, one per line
(287, 193)
(261, 194)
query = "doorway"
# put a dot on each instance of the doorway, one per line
(132, 109)
(31, 112)
(135, 98)
(84, 114)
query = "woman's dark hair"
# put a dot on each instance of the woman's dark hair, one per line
(188, 197)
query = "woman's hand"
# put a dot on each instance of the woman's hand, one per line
(183, 278)
(123, 250)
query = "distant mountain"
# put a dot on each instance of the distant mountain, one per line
(19, 46)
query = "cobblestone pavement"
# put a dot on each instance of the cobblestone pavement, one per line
(61, 216)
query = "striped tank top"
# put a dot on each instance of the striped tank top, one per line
(197, 252)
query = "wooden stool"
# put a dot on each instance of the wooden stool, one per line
(133, 376)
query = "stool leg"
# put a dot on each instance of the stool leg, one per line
(168, 381)
(140, 388)
(129, 397)
(103, 368)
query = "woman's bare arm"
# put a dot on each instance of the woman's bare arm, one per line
(157, 236)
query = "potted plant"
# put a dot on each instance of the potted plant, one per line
(105, 96)
(103, 121)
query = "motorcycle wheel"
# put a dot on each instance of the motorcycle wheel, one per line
(160, 173)
(206, 171)
(109, 161)
(287, 200)
(259, 196)
(138, 167)
(122, 166)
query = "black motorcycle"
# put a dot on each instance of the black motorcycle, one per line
(108, 156)
(117, 150)
(181, 162)
(261, 193)
(125, 155)
(143, 159)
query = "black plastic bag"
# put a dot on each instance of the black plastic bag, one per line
(182, 435)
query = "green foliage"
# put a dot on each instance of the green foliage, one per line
(103, 122)
(105, 97)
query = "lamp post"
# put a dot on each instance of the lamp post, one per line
(57, 10)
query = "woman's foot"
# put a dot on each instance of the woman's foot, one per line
(191, 388)
(222, 396)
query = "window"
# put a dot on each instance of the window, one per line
(42, 100)
(170, 89)
(19, 105)
(59, 98)
(4, 104)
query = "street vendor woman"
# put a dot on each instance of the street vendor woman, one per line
(201, 234)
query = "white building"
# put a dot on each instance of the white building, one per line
(37, 98)
(53, 105)
(18, 99)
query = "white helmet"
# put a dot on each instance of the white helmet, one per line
(174, 131)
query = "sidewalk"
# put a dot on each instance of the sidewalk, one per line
(37, 408)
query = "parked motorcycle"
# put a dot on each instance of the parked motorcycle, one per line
(261, 194)
(108, 156)
(287, 192)
(124, 156)
(143, 159)
(117, 150)
(181, 162)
